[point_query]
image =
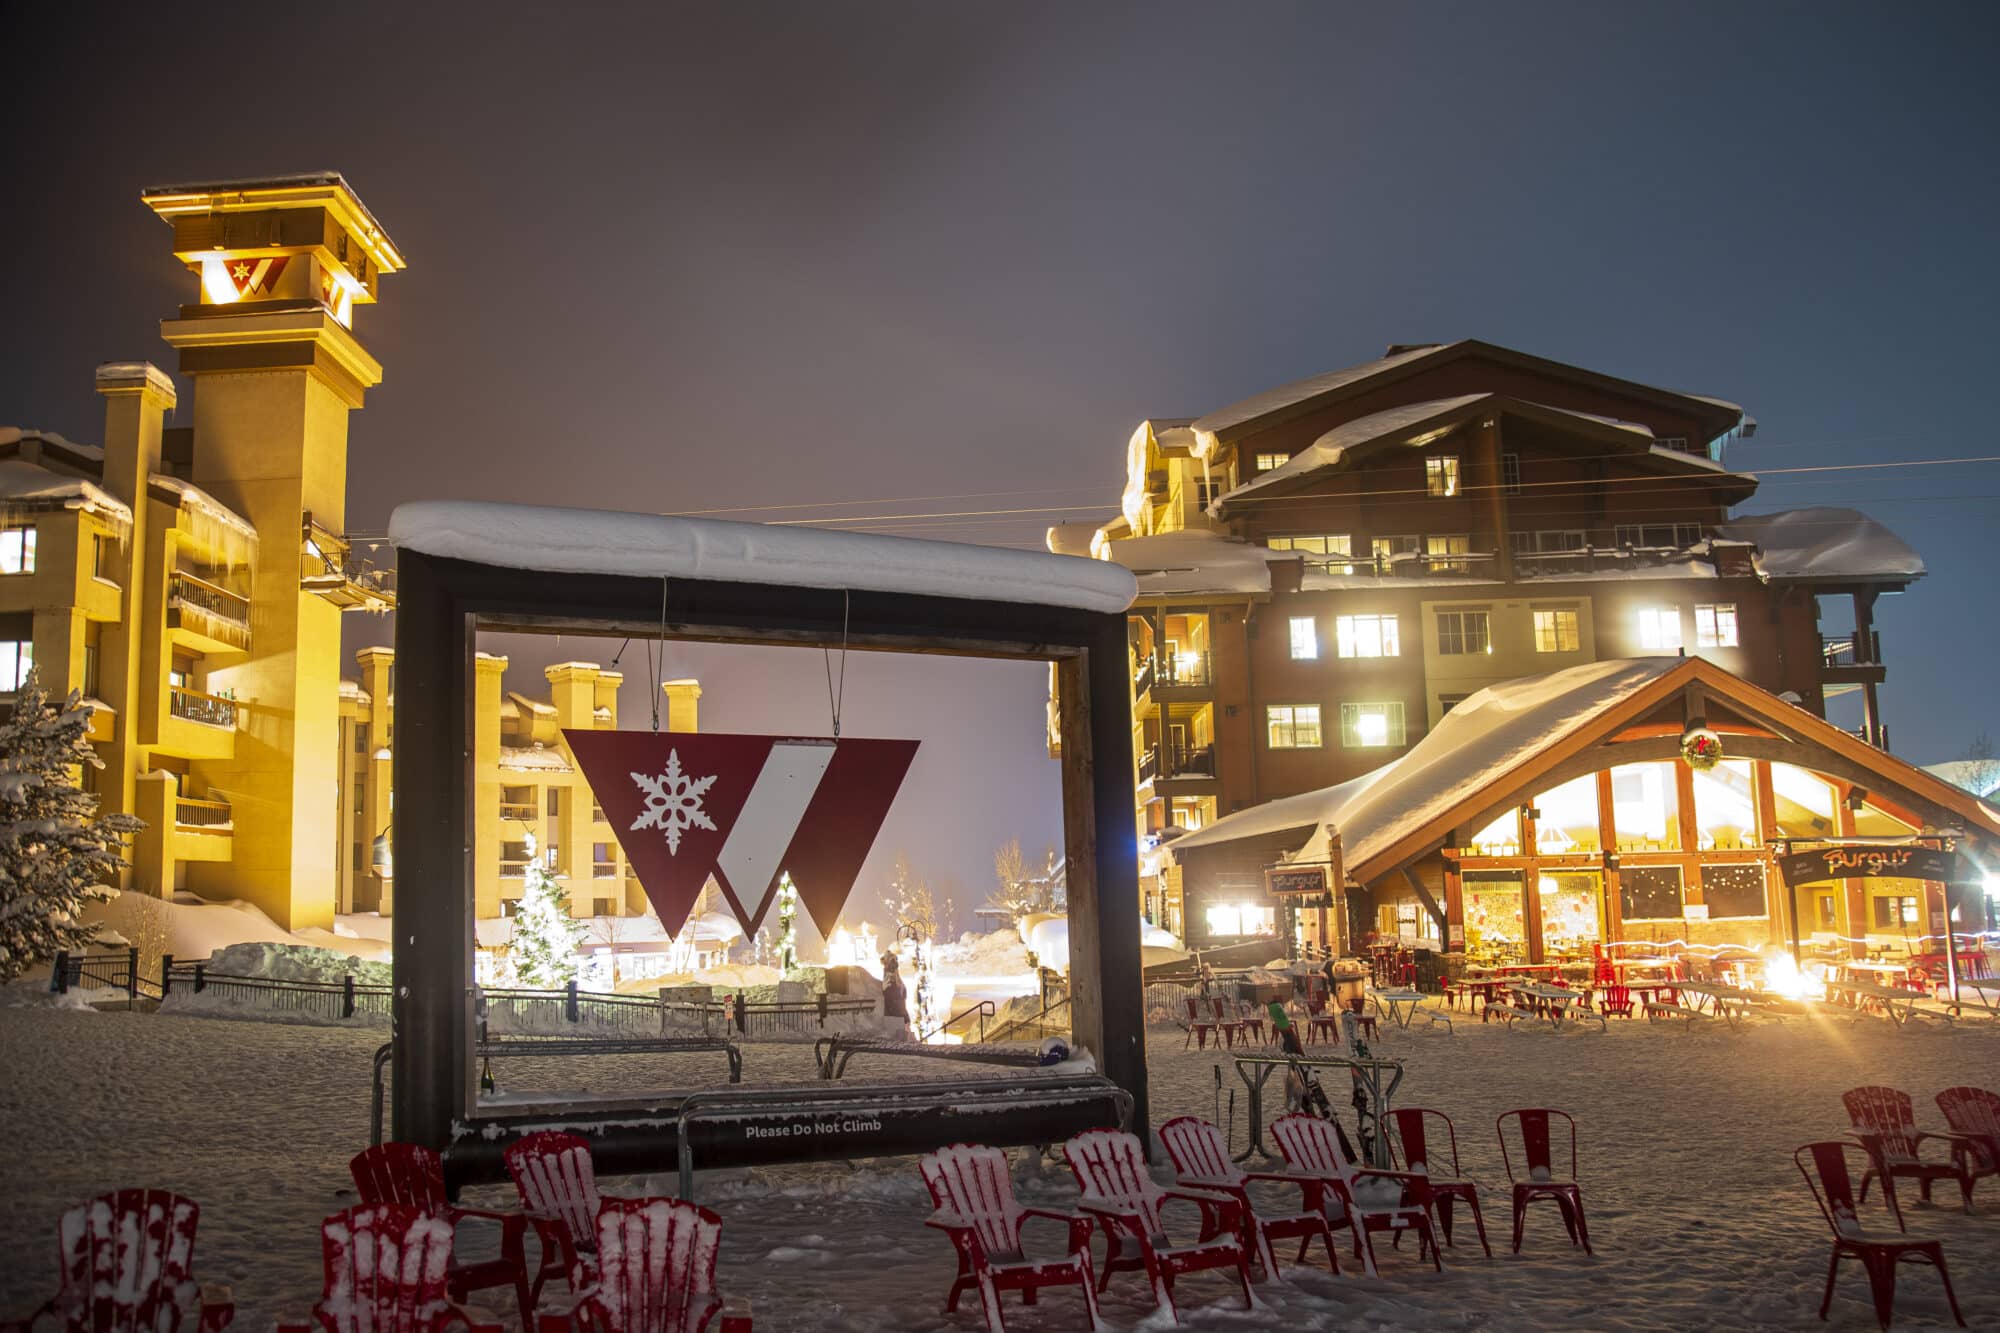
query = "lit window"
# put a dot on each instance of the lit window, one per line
(1548, 540)
(1660, 629)
(1464, 632)
(1893, 912)
(1312, 543)
(104, 551)
(1240, 919)
(1715, 625)
(1671, 536)
(1437, 547)
(1367, 636)
(1367, 726)
(17, 551)
(1556, 632)
(17, 659)
(1267, 462)
(1441, 475)
(1510, 473)
(1293, 726)
(1305, 639)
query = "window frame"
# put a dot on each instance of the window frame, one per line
(1510, 474)
(1293, 723)
(17, 660)
(1649, 624)
(23, 556)
(1555, 628)
(1271, 462)
(1459, 633)
(1721, 616)
(1311, 638)
(1442, 478)
(1388, 635)
(1395, 722)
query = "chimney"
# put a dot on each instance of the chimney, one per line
(137, 397)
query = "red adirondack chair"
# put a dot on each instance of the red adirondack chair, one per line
(1202, 1161)
(974, 1197)
(1532, 1123)
(1828, 1176)
(413, 1175)
(553, 1174)
(385, 1266)
(127, 1267)
(1365, 1200)
(1409, 1132)
(1616, 999)
(1110, 1169)
(656, 1272)
(1974, 1117)
(1199, 1029)
(1886, 1124)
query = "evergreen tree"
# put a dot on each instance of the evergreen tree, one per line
(545, 935)
(56, 852)
(788, 916)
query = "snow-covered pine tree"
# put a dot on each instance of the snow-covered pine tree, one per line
(57, 853)
(788, 929)
(545, 935)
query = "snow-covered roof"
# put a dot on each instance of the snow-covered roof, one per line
(1478, 742)
(1073, 538)
(1287, 812)
(1192, 561)
(1981, 777)
(1823, 543)
(1153, 433)
(1263, 404)
(25, 486)
(533, 759)
(350, 689)
(592, 541)
(16, 434)
(193, 497)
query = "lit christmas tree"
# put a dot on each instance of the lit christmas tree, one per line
(56, 852)
(545, 935)
(788, 915)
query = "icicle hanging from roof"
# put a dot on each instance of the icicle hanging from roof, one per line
(212, 524)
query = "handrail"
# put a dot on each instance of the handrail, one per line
(195, 813)
(983, 1008)
(192, 705)
(183, 576)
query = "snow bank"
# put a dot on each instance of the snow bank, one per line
(296, 962)
(595, 541)
(199, 930)
(37, 995)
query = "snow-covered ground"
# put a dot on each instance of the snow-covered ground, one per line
(1699, 1219)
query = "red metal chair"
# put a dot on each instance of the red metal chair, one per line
(1408, 1133)
(974, 1196)
(1251, 1020)
(1226, 1022)
(413, 1175)
(557, 1183)
(1885, 1122)
(1202, 1161)
(1362, 1199)
(127, 1262)
(656, 1272)
(1199, 1029)
(1828, 1176)
(1532, 1124)
(1974, 1117)
(385, 1266)
(1110, 1169)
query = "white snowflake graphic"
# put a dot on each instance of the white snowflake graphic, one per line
(673, 802)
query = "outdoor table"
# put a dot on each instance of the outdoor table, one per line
(1529, 968)
(1556, 999)
(1623, 965)
(1368, 1074)
(1401, 1004)
(1728, 1003)
(1981, 991)
(1898, 1004)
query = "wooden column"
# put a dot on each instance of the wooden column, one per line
(1782, 902)
(1454, 906)
(1690, 835)
(1854, 892)
(1607, 837)
(1531, 889)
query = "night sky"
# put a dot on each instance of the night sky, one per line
(944, 257)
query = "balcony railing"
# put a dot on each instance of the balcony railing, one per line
(211, 710)
(514, 869)
(1597, 560)
(604, 870)
(1848, 650)
(1171, 761)
(1181, 669)
(520, 810)
(215, 612)
(1409, 564)
(213, 816)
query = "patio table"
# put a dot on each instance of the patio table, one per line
(1400, 1004)
(1556, 1000)
(1983, 992)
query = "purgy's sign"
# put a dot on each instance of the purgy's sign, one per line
(1286, 882)
(1869, 863)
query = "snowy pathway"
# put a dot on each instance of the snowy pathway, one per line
(1699, 1218)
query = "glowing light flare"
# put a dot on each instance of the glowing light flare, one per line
(216, 286)
(1372, 728)
(1783, 976)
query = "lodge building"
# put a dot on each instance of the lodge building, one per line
(1328, 569)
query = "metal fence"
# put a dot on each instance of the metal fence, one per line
(329, 1000)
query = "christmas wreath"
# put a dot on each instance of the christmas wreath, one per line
(1701, 748)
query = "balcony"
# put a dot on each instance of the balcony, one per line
(1407, 565)
(522, 812)
(198, 725)
(1850, 660)
(604, 870)
(1172, 763)
(1589, 560)
(203, 830)
(206, 617)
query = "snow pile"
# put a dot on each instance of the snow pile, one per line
(37, 995)
(1824, 543)
(194, 931)
(296, 962)
(998, 953)
(1192, 561)
(594, 541)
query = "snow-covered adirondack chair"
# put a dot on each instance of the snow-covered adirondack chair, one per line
(385, 1266)
(1541, 1181)
(1202, 1161)
(1974, 1116)
(1422, 1155)
(1199, 1029)
(557, 1183)
(1885, 1122)
(411, 1174)
(1616, 999)
(127, 1267)
(1829, 1177)
(976, 1210)
(655, 1272)
(1110, 1169)
(1365, 1200)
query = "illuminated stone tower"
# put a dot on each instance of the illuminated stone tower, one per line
(282, 263)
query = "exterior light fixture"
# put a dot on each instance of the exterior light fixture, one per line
(382, 856)
(1856, 798)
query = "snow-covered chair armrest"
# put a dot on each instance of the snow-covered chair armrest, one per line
(1113, 1217)
(1079, 1225)
(945, 1221)
(1219, 1212)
